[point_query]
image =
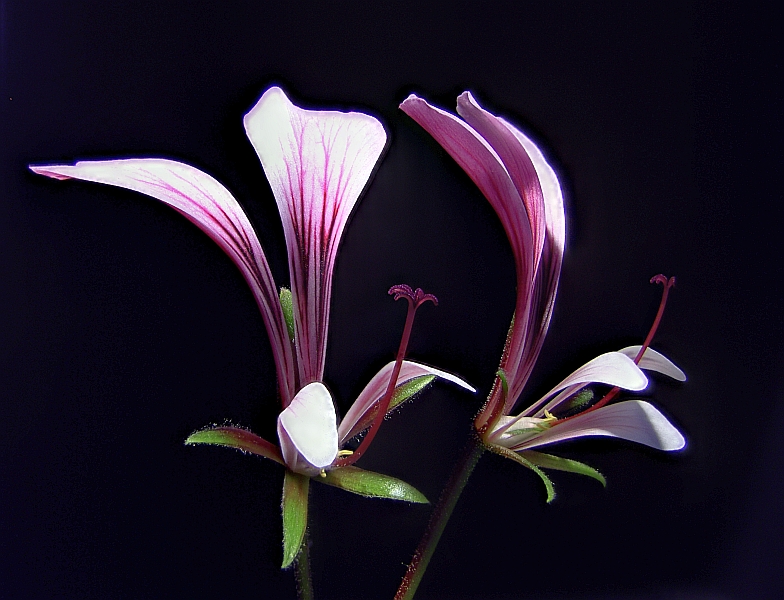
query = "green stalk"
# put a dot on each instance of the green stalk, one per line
(439, 518)
(302, 571)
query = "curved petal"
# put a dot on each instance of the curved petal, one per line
(486, 169)
(208, 204)
(611, 368)
(376, 387)
(516, 161)
(549, 271)
(533, 216)
(633, 420)
(317, 163)
(546, 222)
(655, 361)
(308, 432)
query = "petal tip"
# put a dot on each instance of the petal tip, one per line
(48, 171)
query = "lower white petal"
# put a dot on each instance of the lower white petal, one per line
(308, 431)
(632, 420)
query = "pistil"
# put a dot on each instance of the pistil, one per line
(415, 299)
(667, 284)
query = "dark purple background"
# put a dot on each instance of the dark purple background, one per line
(124, 328)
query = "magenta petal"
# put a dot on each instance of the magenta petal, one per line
(516, 160)
(377, 386)
(483, 165)
(208, 204)
(317, 163)
(634, 420)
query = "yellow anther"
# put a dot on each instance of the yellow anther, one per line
(345, 452)
(323, 473)
(549, 416)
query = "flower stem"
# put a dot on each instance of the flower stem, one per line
(302, 571)
(439, 518)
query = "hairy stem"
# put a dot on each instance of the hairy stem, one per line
(439, 518)
(302, 571)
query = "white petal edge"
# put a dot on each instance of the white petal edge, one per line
(655, 361)
(376, 387)
(633, 420)
(307, 428)
(611, 368)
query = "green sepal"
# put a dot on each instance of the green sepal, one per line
(504, 383)
(410, 388)
(229, 436)
(548, 461)
(581, 399)
(372, 485)
(403, 392)
(295, 515)
(287, 304)
(505, 452)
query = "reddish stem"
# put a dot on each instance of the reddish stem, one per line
(415, 299)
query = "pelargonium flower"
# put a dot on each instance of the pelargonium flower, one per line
(524, 190)
(317, 163)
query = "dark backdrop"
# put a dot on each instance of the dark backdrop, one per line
(124, 328)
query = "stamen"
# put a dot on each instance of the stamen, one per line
(345, 452)
(416, 298)
(323, 473)
(667, 283)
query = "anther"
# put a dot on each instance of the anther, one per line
(345, 452)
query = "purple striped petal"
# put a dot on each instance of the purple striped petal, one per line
(549, 271)
(524, 191)
(209, 205)
(633, 420)
(375, 389)
(317, 163)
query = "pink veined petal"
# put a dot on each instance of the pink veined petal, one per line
(317, 163)
(549, 271)
(611, 368)
(208, 204)
(518, 164)
(307, 429)
(483, 165)
(633, 420)
(376, 387)
(655, 361)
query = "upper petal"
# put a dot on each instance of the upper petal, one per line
(611, 368)
(317, 163)
(307, 429)
(655, 361)
(632, 420)
(485, 167)
(374, 390)
(208, 204)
